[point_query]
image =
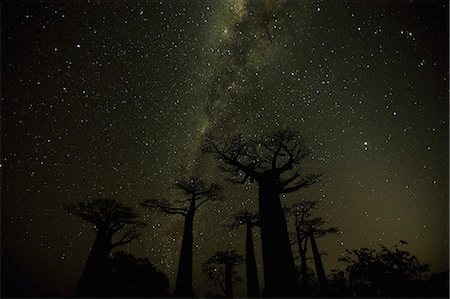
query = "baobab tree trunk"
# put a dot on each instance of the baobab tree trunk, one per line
(92, 281)
(183, 286)
(250, 265)
(323, 288)
(280, 276)
(228, 281)
(304, 268)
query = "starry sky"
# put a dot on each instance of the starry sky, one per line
(114, 99)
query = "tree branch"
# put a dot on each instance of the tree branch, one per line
(158, 205)
(230, 156)
(286, 182)
(304, 182)
(202, 202)
(130, 234)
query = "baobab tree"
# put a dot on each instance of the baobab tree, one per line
(308, 227)
(301, 212)
(220, 269)
(196, 192)
(112, 220)
(272, 162)
(316, 228)
(250, 220)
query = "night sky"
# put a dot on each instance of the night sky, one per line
(113, 99)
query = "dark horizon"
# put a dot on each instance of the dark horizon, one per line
(115, 100)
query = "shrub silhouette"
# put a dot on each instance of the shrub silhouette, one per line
(387, 272)
(133, 277)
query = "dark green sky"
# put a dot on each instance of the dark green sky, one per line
(113, 99)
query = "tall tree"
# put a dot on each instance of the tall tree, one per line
(301, 213)
(220, 269)
(195, 193)
(271, 161)
(110, 219)
(308, 227)
(250, 220)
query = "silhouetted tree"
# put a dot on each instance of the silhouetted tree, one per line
(270, 161)
(110, 219)
(220, 269)
(131, 277)
(321, 277)
(250, 220)
(310, 228)
(301, 213)
(388, 272)
(195, 192)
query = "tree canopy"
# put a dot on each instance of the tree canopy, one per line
(387, 272)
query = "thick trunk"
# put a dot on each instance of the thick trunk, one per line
(323, 288)
(228, 281)
(280, 277)
(250, 265)
(92, 281)
(183, 286)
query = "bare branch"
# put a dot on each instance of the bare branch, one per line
(202, 202)
(215, 271)
(282, 184)
(160, 205)
(268, 156)
(230, 153)
(302, 183)
(106, 214)
(130, 235)
(245, 218)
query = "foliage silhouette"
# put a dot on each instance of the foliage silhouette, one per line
(110, 218)
(270, 161)
(387, 272)
(220, 269)
(133, 277)
(250, 220)
(195, 193)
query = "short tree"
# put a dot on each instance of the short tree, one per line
(131, 277)
(220, 269)
(387, 272)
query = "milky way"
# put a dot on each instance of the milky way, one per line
(114, 100)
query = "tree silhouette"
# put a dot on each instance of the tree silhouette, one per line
(131, 277)
(195, 192)
(250, 220)
(270, 161)
(387, 272)
(301, 213)
(110, 218)
(310, 228)
(220, 269)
